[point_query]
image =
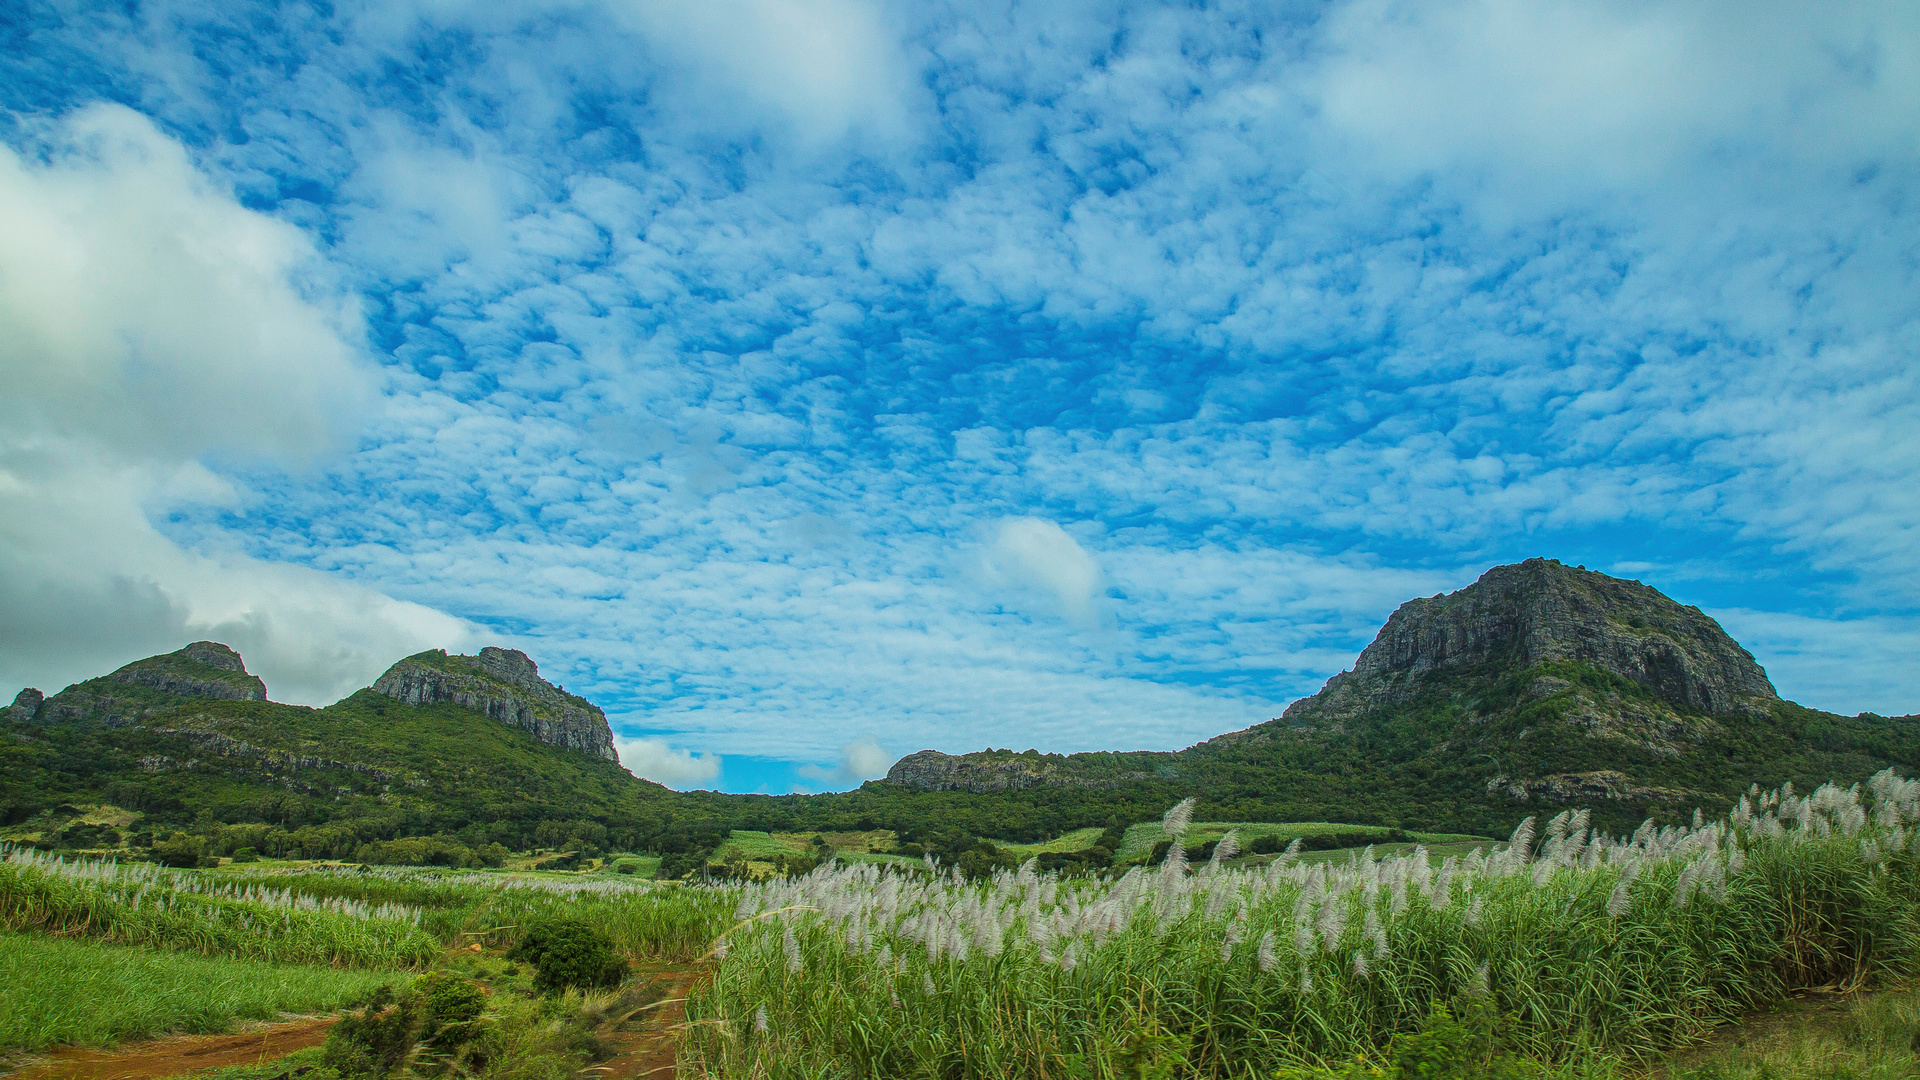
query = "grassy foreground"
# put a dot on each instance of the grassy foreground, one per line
(1567, 946)
(1564, 953)
(1873, 1038)
(90, 994)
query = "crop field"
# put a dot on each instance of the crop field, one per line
(1077, 840)
(1581, 945)
(1574, 949)
(90, 994)
(1141, 838)
(761, 848)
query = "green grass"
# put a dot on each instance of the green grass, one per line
(1141, 838)
(853, 847)
(59, 991)
(1077, 840)
(1585, 953)
(1876, 1037)
(1340, 855)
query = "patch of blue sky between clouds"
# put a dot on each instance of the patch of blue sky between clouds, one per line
(1002, 375)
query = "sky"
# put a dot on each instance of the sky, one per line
(812, 382)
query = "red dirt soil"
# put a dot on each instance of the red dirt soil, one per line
(182, 1054)
(650, 1047)
(646, 1045)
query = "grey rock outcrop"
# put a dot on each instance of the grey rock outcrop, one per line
(931, 770)
(505, 685)
(202, 670)
(26, 706)
(1541, 611)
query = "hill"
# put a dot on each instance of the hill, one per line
(471, 751)
(1538, 686)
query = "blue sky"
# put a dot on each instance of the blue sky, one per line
(810, 383)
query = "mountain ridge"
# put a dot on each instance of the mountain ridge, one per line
(1537, 683)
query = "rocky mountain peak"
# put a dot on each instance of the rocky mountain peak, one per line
(1541, 611)
(203, 669)
(512, 666)
(214, 655)
(503, 684)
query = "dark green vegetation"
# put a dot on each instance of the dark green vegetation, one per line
(569, 954)
(1562, 954)
(1631, 704)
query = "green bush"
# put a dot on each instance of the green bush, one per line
(1447, 1047)
(181, 850)
(428, 1023)
(376, 1040)
(246, 854)
(451, 1010)
(627, 866)
(568, 953)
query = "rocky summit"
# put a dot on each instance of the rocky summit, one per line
(204, 670)
(1541, 612)
(503, 684)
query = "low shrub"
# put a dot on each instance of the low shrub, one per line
(426, 1025)
(569, 954)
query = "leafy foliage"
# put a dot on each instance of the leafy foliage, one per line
(569, 954)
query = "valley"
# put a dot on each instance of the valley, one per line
(1552, 824)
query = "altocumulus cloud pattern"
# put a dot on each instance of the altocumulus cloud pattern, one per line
(815, 382)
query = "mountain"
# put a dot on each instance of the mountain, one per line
(1538, 685)
(204, 669)
(504, 685)
(473, 750)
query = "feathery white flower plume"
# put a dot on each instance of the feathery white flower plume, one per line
(1177, 819)
(791, 946)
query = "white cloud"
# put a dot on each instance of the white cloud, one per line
(147, 319)
(1840, 665)
(153, 315)
(1036, 555)
(860, 761)
(827, 67)
(653, 759)
(1580, 96)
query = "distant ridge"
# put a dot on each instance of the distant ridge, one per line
(1540, 683)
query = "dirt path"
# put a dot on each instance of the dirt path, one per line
(649, 1042)
(177, 1055)
(645, 1044)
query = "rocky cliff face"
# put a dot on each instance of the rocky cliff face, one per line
(204, 669)
(931, 770)
(1541, 611)
(505, 685)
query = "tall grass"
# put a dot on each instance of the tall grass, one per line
(1582, 941)
(58, 991)
(142, 904)
(385, 918)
